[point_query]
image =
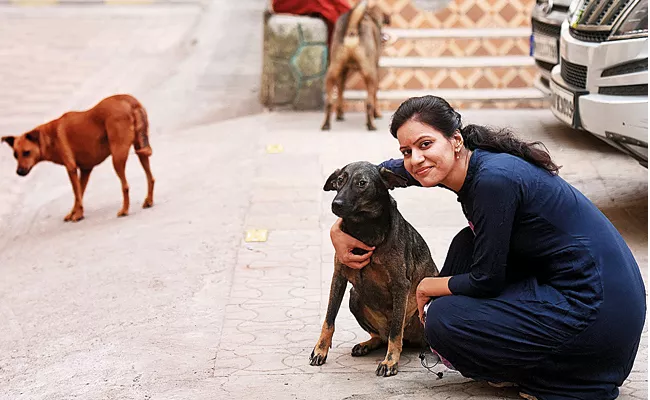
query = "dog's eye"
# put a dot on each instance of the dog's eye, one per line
(15, 154)
(26, 153)
(362, 184)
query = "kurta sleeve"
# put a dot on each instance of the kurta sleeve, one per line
(493, 207)
(397, 167)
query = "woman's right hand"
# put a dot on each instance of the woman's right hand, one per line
(344, 244)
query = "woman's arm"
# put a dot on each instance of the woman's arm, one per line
(494, 204)
(430, 287)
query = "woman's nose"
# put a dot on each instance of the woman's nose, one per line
(417, 156)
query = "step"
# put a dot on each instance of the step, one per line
(410, 73)
(389, 100)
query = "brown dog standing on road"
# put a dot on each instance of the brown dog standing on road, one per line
(356, 44)
(80, 140)
(382, 298)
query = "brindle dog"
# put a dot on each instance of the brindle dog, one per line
(382, 298)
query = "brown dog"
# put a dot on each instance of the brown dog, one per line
(356, 44)
(80, 140)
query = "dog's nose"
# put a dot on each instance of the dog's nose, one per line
(337, 206)
(22, 171)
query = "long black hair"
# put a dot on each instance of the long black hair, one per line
(437, 113)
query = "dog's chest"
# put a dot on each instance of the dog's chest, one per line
(374, 280)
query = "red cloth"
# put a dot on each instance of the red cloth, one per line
(329, 10)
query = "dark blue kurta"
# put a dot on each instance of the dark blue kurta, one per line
(550, 297)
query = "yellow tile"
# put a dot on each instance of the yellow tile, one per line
(34, 2)
(128, 2)
(274, 148)
(256, 235)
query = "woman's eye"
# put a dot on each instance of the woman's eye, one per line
(361, 184)
(406, 152)
(425, 144)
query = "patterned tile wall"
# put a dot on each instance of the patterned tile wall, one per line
(458, 47)
(449, 78)
(460, 14)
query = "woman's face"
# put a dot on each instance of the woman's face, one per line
(428, 155)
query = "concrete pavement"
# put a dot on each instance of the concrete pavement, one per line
(171, 302)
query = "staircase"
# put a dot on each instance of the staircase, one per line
(473, 53)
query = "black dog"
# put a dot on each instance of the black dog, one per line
(383, 295)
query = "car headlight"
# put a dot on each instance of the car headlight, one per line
(635, 24)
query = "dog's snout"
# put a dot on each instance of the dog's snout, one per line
(22, 171)
(337, 206)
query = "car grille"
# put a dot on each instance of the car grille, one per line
(597, 19)
(546, 29)
(627, 90)
(574, 74)
(545, 65)
(603, 13)
(627, 68)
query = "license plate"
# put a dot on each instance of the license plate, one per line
(544, 48)
(562, 103)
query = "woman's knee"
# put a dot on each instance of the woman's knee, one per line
(436, 327)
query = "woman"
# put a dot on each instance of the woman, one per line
(540, 290)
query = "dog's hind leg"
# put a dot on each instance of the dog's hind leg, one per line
(120, 137)
(330, 81)
(371, 84)
(144, 160)
(341, 89)
(370, 321)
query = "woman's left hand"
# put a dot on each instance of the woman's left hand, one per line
(430, 287)
(422, 300)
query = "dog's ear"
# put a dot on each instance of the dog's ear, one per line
(392, 180)
(329, 184)
(33, 136)
(9, 140)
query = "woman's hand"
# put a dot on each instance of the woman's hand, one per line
(344, 244)
(422, 299)
(430, 287)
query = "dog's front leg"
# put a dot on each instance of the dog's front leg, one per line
(388, 367)
(337, 290)
(77, 212)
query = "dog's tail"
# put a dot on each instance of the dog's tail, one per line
(351, 38)
(141, 127)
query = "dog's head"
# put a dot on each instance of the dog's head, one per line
(362, 189)
(27, 150)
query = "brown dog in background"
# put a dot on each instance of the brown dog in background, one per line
(356, 44)
(80, 140)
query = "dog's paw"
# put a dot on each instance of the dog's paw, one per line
(340, 117)
(378, 116)
(122, 213)
(372, 127)
(360, 350)
(74, 216)
(148, 203)
(317, 357)
(386, 368)
(325, 127)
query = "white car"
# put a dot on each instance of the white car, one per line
(601, 83)
(546, 20)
